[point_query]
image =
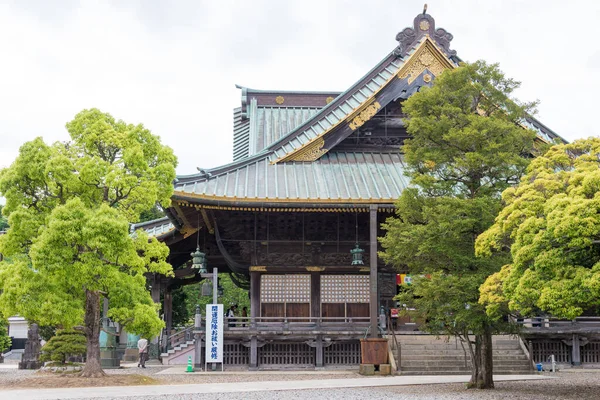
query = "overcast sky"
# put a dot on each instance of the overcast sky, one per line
(173, 65)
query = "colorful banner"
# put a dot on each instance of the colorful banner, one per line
(402, 279)
(214, 333)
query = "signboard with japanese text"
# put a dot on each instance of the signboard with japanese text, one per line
(214, 333)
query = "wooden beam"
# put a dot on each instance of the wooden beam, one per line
(207, 221)
(315, 294)
(373, 273)
(183, 272)
(168, 310)
(254, 294)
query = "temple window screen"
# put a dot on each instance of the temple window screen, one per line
(344, 288)
(285, 289)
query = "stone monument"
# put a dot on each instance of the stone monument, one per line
(31, 356)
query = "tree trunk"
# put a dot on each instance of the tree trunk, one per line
(92, 367)
(475, 363)
(487, 358)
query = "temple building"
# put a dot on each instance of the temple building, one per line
(295, 217)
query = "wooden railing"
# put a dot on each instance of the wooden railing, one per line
(300, 324)
(395, 345)
(548, 323)
(182, 335)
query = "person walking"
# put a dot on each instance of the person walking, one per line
(231, 315)
(142, 345)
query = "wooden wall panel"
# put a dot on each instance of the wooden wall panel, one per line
(355, 310)
(272, 310)
(297, 310)
(332, 310)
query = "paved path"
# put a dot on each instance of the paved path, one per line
(130, 391)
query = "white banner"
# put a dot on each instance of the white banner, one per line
(214, 333)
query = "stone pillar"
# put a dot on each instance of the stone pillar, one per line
(253, 354)
(131, 352)
(373, 303)
(109, 357)
(31, 355)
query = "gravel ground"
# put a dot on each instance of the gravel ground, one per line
(580, 385)
(567, 386)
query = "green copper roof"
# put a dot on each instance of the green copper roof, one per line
(337, 176)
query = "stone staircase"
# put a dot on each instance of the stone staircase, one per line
(427, 355)
(179, 354)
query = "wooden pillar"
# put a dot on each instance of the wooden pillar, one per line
(315, 295)
(319, 352)
(168, 310)
(576, 351)
(155, 291)
(373, 274)
(254, 296)
(253, 353)
(198, 336)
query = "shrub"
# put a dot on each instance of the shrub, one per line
(66, 342)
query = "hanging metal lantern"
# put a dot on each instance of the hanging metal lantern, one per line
(220, 290)
(199, 260)
(357, 255)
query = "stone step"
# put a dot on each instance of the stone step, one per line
(421, 339)
(466, 372)
(450, 347)
(450, 368)
(451, 363)
(455, 352)
(521, 357)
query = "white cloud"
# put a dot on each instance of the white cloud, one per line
(173, 65)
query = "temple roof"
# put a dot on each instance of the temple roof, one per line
(268, 115)
(337, 177)
(286, 142)
(155, 228)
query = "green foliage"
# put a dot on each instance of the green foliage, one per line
(466, 147)
(3, 220)
(466, 139)
(47, 332)
(69, 206)
(151, 214)
(551, 223)
(66, 342)
(191, 297)
(5, 341)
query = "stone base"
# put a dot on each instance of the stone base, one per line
(385, 369)
(366, 369)
(30, 364)
(131, 355)
(64, 370)
(109, 359)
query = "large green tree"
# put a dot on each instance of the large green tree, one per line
(551, 223)
(467, 146)
(5, 340)
(69, 207)
(3, 220)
